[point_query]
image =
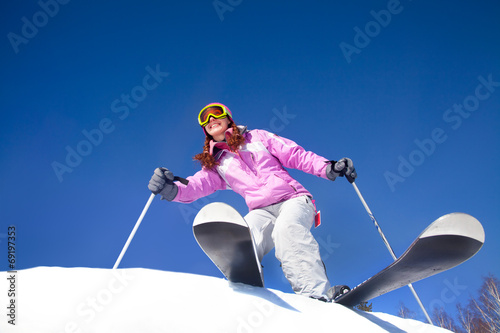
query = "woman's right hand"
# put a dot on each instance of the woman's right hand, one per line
(162, 182)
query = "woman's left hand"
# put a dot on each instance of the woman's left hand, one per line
(342, 167)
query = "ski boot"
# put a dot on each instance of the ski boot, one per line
(337, 291)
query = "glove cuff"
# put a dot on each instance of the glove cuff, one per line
(330, 171)
(169, 192)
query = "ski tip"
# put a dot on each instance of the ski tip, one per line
(458, 224)
(218, 212)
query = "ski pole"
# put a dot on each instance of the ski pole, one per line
(386, 242)
(137, 224)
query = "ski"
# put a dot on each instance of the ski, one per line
(447, 242)
(224, 236)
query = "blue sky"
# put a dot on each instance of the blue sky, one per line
(96, 95)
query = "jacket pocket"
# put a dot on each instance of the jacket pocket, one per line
(285, 182)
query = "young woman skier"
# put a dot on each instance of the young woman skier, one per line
(281, 212)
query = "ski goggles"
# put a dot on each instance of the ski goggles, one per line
(216, 110)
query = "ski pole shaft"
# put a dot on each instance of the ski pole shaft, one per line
(391, 251)
(137, 224)
(377, 226)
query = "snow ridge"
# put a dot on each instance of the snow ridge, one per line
(88, 300)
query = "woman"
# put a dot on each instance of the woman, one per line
(252, 163)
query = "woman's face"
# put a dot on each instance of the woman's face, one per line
(217, 127)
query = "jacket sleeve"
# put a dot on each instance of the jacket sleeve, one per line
(291, 155)
(201, 184)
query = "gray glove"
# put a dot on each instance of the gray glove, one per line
(162, 183)
(343, 167)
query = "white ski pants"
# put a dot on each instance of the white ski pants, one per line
(287, 227)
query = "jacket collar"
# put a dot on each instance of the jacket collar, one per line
(215, 146)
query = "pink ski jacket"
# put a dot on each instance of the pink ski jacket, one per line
(256, 171)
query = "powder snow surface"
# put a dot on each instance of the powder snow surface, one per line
(90, 300)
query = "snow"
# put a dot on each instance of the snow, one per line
(90, 300)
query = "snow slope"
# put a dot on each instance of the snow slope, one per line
(89, 300)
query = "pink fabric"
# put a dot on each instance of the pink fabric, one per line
(256, 171)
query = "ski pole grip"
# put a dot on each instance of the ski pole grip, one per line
(349, 178)
(182, 180)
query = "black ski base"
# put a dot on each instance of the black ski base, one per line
(231, 249)
(424, 258)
